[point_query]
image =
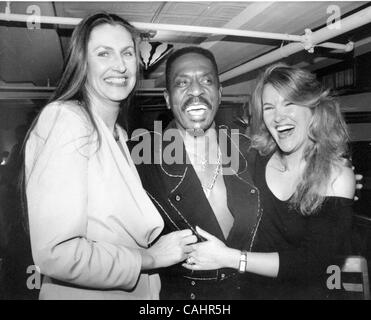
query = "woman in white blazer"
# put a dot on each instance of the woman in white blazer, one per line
(91, 223)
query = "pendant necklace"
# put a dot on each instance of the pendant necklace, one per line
(208, 189)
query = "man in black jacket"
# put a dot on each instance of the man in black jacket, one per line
(200, 176)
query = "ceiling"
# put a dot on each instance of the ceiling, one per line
(31, 61)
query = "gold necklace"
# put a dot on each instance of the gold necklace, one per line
(218, 169)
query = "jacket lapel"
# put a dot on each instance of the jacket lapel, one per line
(185, 194)
(242, 195)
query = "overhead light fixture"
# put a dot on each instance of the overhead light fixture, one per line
(152, 52)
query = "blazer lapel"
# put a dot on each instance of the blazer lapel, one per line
(190, 202)
(128, 177)
(241, 192)
(185, 194)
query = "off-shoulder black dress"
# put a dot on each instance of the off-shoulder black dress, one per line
(307, 245)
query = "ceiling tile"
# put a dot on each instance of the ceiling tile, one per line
(226, 10)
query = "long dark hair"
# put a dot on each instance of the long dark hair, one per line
(72, 85)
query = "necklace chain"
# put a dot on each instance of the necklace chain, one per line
(218, 169)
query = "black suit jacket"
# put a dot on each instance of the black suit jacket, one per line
(178, 195)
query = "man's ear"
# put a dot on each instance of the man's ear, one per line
(167, 99)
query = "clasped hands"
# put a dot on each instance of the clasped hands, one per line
(182, 246)
(207, 255)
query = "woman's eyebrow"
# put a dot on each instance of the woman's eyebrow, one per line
(111, 48)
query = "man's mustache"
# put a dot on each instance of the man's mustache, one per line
(196, 100)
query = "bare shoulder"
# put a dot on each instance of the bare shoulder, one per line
(343, 182)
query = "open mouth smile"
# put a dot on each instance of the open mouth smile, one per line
(196, 110)
(285, 130)
(116, 81)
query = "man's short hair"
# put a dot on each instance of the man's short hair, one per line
(181, 52)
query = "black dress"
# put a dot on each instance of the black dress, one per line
(307, 245)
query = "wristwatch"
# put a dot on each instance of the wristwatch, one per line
(243, 262)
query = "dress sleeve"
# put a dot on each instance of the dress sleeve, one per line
(327, 236)
(57, 155)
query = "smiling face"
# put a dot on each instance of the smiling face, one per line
(112, 64)
(194, 93)
(287, 122)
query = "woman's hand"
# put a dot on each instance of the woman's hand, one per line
(171, 248)
(211, 254)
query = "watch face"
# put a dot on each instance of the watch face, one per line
(243, 262)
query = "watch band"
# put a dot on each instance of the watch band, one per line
(243, 262)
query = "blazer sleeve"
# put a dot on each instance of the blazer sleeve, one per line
(57, 155)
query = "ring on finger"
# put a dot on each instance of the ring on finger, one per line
(190, 261)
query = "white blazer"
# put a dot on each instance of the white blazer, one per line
(88, 213)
